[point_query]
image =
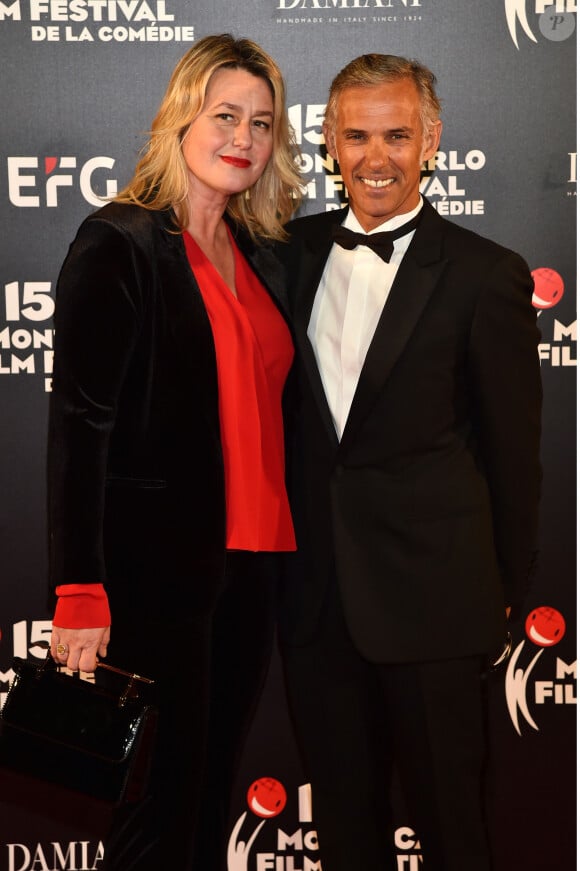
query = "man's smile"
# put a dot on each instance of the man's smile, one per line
(377, 182)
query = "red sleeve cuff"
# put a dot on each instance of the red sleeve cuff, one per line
(82, 606)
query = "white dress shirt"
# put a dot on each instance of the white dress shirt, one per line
(351, 295)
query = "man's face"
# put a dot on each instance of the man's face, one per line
(380, 144)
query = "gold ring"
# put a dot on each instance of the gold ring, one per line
(61, 649)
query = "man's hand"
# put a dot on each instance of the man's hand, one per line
(78, 648)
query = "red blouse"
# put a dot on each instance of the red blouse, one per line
(254, 353)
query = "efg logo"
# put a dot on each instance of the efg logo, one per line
(34, 183)
(556, 21)
(545, 627)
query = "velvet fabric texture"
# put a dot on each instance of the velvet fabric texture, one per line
(135, 467)
(427, 508)
(137, 502)
(414, 532)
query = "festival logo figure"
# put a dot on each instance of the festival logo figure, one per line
(556, 20)
(266, 798)
(545, 627)
(548, 288)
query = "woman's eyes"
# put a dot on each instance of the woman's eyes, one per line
(228, 118)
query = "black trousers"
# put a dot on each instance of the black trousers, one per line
(356, 720)
(209, 670)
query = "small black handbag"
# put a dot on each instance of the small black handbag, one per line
(93, 736)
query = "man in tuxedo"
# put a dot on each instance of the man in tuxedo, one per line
(415, 478)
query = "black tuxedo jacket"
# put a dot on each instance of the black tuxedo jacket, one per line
(426, 509)
(135, 466)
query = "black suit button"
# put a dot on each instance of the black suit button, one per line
(338, 472)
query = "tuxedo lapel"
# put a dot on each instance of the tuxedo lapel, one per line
(310, 263)
(414, 284)
(310, 266)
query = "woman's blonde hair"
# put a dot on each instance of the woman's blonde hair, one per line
(160, 180)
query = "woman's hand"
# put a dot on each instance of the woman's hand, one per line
(78, 648)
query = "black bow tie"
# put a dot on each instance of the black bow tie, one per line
(380, 243)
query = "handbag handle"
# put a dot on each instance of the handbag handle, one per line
(131, 677)
(128, 674)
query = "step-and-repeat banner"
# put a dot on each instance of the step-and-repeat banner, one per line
(80, 83)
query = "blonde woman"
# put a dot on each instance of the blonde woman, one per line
(167, 506)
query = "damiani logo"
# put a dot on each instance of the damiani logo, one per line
(73, 856)
(25, 175)
(556, 22)
(349, 4)
(545, 627)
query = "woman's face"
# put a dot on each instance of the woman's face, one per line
(228, 145)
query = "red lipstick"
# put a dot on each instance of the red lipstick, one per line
(240, 162)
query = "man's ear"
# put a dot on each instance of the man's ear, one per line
(329, 140)
(431, 140)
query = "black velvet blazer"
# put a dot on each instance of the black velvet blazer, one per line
(135, 466)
